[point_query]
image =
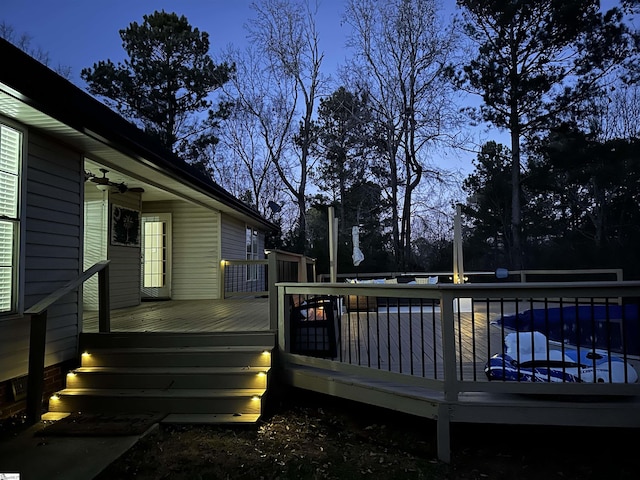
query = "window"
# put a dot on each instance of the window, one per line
(10, 164)
(252, 253)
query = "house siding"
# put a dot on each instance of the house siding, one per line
(53, 217)
(234, 238)
(234, 247)
(95, 240)
(124, 269)
(195, 249)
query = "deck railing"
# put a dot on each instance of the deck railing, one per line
(426, 350)
(241, 278)
(253, 277)
(37, 340)
(444, 336)
(259, 277)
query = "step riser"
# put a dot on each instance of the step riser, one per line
(201, 375)
(129, 404)
(176, 359)
(158, 340)
(160, 381)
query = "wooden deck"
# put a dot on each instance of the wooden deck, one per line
(188, 316)
(391, 353)
(411, 342)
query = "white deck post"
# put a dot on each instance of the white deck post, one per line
(333, 244)
(458, 263)
(450, 380)
(272, 272)
(223, 265)
(282, 319)
(449, 346)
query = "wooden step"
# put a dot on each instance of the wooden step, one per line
(257, 356)
(209, 419)
(168, 339)
(193, 378)
(168, 377)
(192, 401)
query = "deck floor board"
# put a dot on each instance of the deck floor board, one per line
(197, 316)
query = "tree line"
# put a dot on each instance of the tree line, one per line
(558, 77)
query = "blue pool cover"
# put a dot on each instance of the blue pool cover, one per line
(614, 328)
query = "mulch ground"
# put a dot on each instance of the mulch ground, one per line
(310, 436)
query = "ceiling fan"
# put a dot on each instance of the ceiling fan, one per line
(103, 183)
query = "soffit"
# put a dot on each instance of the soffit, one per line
(100, 153)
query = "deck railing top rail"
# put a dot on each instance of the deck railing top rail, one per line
(291, 256)
(517, 275)
(471, 290)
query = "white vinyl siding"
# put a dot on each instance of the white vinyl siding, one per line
(95, 239)
(195, 251)
(51, 255)
(234, 244)
(235, 234)
(124, 269)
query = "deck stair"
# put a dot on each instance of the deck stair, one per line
(193, 378)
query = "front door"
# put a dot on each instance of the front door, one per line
(156, 256)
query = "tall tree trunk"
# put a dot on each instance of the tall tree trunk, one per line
(516, 237)
(515, 128)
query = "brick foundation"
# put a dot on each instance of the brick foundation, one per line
(54, 380)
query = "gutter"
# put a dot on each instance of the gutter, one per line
(44, 90)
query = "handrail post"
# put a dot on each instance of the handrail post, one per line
(449, 346)
(313, 268)
(272, 269)
(104, 308)
(302, 270)
(283, 321)
(450, 380)
(221, 280)
(35, 379)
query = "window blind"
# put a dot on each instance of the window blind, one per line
(10, 152)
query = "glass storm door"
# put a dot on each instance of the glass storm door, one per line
(156, 256)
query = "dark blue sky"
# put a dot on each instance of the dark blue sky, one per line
(78, 33)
